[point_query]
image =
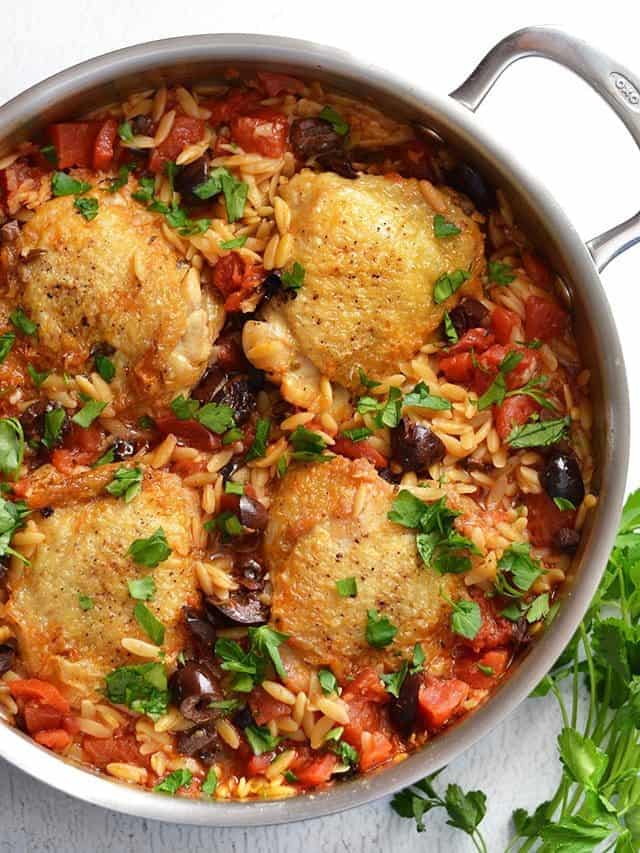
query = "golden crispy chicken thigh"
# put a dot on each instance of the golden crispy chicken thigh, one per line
(115, 280)
(313, 539)
(371, 260)
(85, 553)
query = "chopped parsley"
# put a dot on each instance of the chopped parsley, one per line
(152, 627)
(210, 782)
(88, 413)
(184, 407)
(50, 154)
(250, 666)
(22, 323)
(421, 398)
(336, 121)
(443, 228)
(63, 184)
(235, 192)
(37, 377)
(231, 488)
(53, 423)
(357, 433)
(122, 178)
(466, 618)
(347, 587)
(293, 279)
(259, 445)
(328, 681)
(105, 367)
(141, 687)
(564, 505)
(347, 754)
(308, 446)
(260, 739)
(216, 417)
(450, 329)
(227, 523)
(87, 208)
(12, 518)
(379, 632)
(7, 340)
(500, 273)
(172, 783)
(365, 381)
(447, 285)
(125, 131)
(150, 552)
(126, 483)
(85, 602)
(142, 589)
(539, 433)
(418, 659)
(495, 393)
(11, 447)
(393, 681)
(236, 243)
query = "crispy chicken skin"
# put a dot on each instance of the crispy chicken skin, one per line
(116, 281)
(85, 553)
(371, 260)
(313, 540)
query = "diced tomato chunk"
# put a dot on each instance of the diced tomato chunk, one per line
(365, 696)
(494, 631)
(536, 269)
(189, 432)
(314, 770)
(12, 180)
(503, 322)
(40, 691)
(235, 278)
(488, 365)
(274, 84)
(545, 519)
(185, 131)
(81, 447)
(478, 340)
(121, 748)
(439, 698)
(38, 717)
(257, 764)
(224, 109)
(263, 131)
(482, 672)
(458, 368)
(513, 412)
(56, 739)
(265, 708)
(104, 147)
(74, 143)
(375, 749)
(359, 450)
(544, 319)
(366, 685)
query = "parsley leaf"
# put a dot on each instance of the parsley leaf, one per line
(450, 329)
(210, 783)
(142, 589)
(216, 417)
(152, 626)
(87, 207)
(63, 184)
(37, 377)
(293, 279)
(236, 243)
(328, 681)
(447, 285)
(308, 446)
(466, 618)
(500, 273)
(85, 602)
(259, 445)
(122, 179)
(539, 433)
(22, 323)
(172, 783)
(125, 131)
(421, 398)
(11, 446)
(495, 393)
(260, 739)
(88, 413)
(357, 433)
(522, 568)
(418, 659)
(150, 552)
(265, 641)
(393, 681)
(347, 587)
(379, 631)
(184, 407)
(126, 483)
(105, 367)
(443, 228)
(53, 423)
(142, 687)
(340, 126)
(12, 518)
(365, 381)
(7, 340)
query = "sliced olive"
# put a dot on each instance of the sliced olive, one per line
(239, 396)
(567, 539)
(199, 626)
(415, 447)
(561, 478)
(250, 573)
(197, 740)
(252, 513)
(141, 125)
(123, 449)
(243, 607)
(469, 314)
(465, 179)
(194, 679)
(243, 718)
(404, 710)
(7, 655)
(191, 176)
(311, 137)
(338, 162)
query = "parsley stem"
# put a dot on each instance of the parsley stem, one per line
(575, 690)
(624, 609)
(563, 707)
(592, 678)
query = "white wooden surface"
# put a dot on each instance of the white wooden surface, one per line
(559, 128)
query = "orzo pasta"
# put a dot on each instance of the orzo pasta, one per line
(294, 438)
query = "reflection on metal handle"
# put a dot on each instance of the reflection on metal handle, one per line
(619, 87)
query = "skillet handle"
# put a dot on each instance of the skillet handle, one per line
(619, 87)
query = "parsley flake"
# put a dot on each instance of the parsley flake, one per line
(151, 551)
(443, 228)
(447, 285)
(379, 632)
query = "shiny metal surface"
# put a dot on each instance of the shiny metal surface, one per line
(111, 77)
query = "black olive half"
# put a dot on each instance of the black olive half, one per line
(239, 396)
(469, 314)
(466, 180)
(243, 607)
(415, 447)
(197, 740)
(404, 710)
(7, 655)
(189, 177)
(561, 478)
(199, 626)
(313, 137)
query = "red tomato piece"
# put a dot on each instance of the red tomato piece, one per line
(74, 143)
(190, 432)
(544, 319)
(81, 447)
(224, 109)
(185, 131)
(489, 365)
(545, 519)
(104, 147)
(468, 668)
(513, 412)
(274, 84)
(257, 764)
(503, 323)
(263, 131)
(120, 748)
(375, 749)
(494, 631)
(38, 717)
(366, 685)
(359, 450)
(41, 691)
(55, 739)
(365, 696)
(536, 269)
(478, 340)
(265, 708)
(458, 368)
(314, 770)
(439, 698)
(235, 278)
